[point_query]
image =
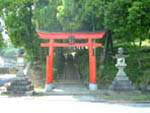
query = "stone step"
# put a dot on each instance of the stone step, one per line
(68, 82)
(19, 92)
(122, 87)
(23, 78)
(122, 82)
(70, 72)
(4, 70)
(68, 93)
(20, 88)
(121, 78)
(23, 82)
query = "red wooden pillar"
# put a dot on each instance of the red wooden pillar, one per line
(49, 71)
(93, 78)
(90, 59)
(92, 65)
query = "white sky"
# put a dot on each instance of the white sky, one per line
(5, 36)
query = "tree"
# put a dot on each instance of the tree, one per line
(121, 17)
(138, 19)
(46, 15)
(67, 13)
(79, 15)
(128, 19)
(18, 20)
(1, 39)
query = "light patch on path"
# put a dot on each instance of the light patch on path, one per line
(63, 104)
(7, 75)
(6, 78)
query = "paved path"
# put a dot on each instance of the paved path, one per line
(65, 104)
(6, 78)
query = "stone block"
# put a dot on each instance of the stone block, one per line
(23, 82)
(20, 86)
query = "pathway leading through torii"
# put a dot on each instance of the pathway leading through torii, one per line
(71, 37)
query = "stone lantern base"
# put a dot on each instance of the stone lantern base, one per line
(121, 83)
(20, 86)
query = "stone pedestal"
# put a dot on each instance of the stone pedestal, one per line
(121, 81)
(49, 87)
(93, 87)
(20, 86)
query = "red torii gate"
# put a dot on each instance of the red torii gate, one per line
(71, 36)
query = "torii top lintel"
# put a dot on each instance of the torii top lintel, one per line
(60, 35)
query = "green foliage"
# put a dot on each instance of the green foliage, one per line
(120, 16)
(1, 40)
(115, 17)
(128, 17)
(59, 62)
(92, 14)
(18, 20)
(138, 19)
(67, 15)
(81, 15)
(107, 74)
(46, 16)
(82, 61)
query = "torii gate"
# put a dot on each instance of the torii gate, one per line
(71, 37)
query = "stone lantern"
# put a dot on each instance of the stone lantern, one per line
(21, 85)
(121, 82)
(121, 64)
(21, 59)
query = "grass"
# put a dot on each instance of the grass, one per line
(125, 97)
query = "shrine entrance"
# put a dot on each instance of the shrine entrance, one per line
(71, 37)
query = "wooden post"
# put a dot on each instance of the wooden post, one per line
(92, 65)
(93, 78)
(49, 74)
(90, 59)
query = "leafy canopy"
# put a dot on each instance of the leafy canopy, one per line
(128, 20)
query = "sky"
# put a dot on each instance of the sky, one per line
(5, 36)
